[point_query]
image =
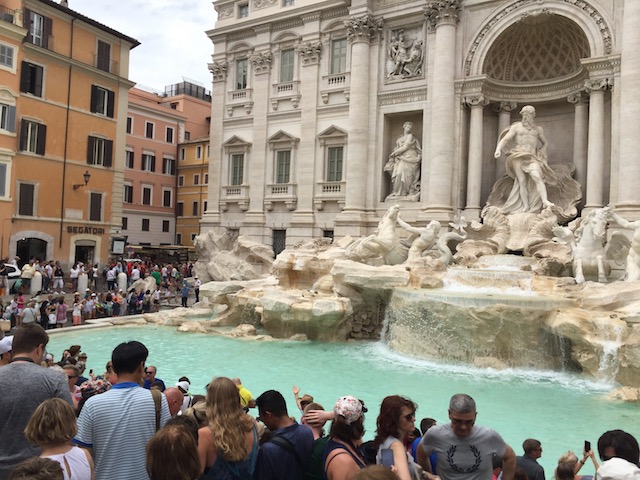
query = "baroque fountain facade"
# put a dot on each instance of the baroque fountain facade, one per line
(503, 241)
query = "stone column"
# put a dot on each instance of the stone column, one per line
(503, 109)
(580, 136)
(595, 149)
(629, 167)
(474, 171)
(361, 31)
(211, 218)
(442, 15)
(303, 218)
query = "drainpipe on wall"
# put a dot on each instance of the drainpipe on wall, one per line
(66, 139)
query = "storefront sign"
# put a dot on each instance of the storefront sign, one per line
(85, 229)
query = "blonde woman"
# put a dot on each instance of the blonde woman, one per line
(52, 427)
(228, 445)
(576, 464)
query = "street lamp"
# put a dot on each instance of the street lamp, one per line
(86, 177)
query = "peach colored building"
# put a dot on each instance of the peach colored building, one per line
(156, 124)
(63, 150)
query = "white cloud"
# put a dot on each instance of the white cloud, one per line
(171, 33)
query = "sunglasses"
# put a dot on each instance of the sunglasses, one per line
(149, 372)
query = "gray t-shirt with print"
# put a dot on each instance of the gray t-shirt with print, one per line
(24, 386)
(468, 458)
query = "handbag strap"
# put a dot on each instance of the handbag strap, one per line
(288, 446)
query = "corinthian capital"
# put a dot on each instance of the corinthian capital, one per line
(219, 70)
(598, 85)
(310, 53)
(364, 29)
(477, 100)
(261, 62)
(439, 12)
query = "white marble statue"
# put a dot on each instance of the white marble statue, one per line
(404, 165)
(381, 244)
(587, 243)
(632, 270)
(422, 239)
(526, 163)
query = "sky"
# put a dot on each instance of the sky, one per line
(173, 43)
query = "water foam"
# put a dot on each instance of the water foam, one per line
(394, 360)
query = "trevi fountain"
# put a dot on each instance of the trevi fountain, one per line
(529, 285)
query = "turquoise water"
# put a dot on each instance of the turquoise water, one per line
(558, 409)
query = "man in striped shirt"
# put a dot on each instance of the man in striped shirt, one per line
(115, 426)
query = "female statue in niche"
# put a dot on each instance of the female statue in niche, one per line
(404, 165)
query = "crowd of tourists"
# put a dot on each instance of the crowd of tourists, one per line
(102, 297)
(59, 422)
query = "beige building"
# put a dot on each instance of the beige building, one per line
(309, 99)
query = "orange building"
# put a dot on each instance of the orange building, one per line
(62, 149)
(156, 124)
(193, 181)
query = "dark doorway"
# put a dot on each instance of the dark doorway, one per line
(279, 241)
(84, 254)
(27, 248)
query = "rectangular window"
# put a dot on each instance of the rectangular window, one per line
(168, 166)
(208, 151)
(146, 195)
(194, 209)
(181, 180)
(102, 101)
(178, 239)
(40, 28)
(193, 237)
(26, 198)
(165, 225)
(128, 193)
(167, 199)
(206, 179)
(168, 136)
(148, 162)
(279, 241)
(242, 67)
(103, 60)
(237, 168)
(31, 79)
(182, 154)
(125, 223)
(7, 117)
(339, 55)
(129, 125)
(334, 164)
(187, 135)
(4, 190)
(283, 166)
(198, 151)
(243, 10)
(145, 224)
(95, 207)
(128, 158)
(180, 209)
(287, 3)
(6, 56)
(99, 151)
(196, 179)
(32, 137)
(286, 65)
(204, 206)
(148, 130)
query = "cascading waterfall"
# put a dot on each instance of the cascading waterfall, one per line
(609, 360)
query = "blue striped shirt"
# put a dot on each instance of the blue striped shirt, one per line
(117, 425)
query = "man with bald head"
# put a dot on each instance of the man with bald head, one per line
(174, 399)
(465, 450)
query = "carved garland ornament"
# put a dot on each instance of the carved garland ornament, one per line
(581, 4)
(258, 4)
(364, 28)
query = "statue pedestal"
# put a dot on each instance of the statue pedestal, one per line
(519, 225)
